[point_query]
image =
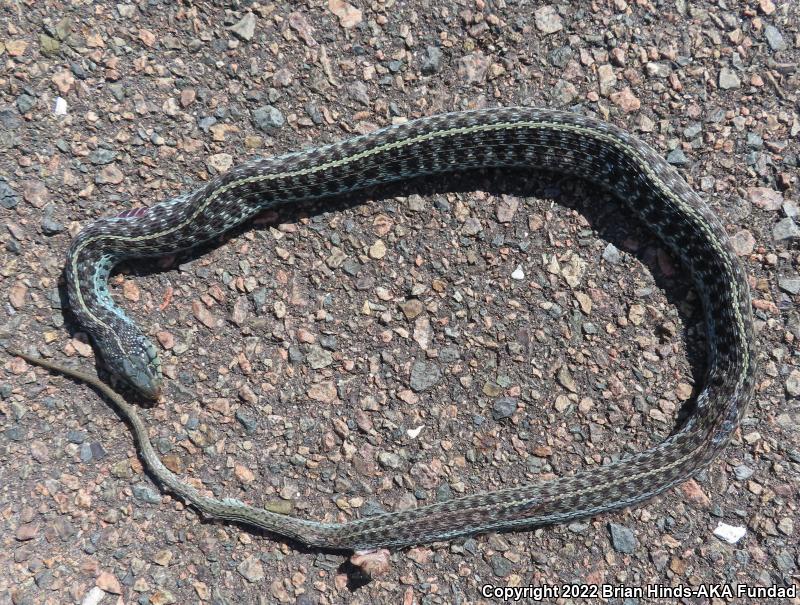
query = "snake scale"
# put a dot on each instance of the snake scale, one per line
(556, 141)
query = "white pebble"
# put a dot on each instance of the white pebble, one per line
(93, 597)
(518, 273)
(60, 108)
(730, 533)
(414, 433)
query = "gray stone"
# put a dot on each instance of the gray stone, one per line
(77, 437)
(728, 79)
(102, 156)
(8, 197)
(742, 472)
(789, 284)
(245, 27)
(449, 354)
(622, 538)
(693, 130)
(25, 103)
(774, 38)
(431, 61)
(328, 342)
(676, 157)
(146, 494)
(268, 118)
(390, 460)
(504, 407)
(318, 357)
(51, 226)
(247, 421)
(793, 384)
(9, 120)
(611, 254)
(501, 567)
(559, 57)
(754, 140)
(98, 452)
(785, 229)
(358, 92)
(444, 493)
(424, 375)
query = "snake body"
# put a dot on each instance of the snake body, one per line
(514, 137)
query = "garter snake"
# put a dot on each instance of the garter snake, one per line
(512, 137)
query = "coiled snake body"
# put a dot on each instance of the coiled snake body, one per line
(514, 137)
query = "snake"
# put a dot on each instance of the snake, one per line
(564, 143)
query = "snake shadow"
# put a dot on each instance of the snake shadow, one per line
(608, 218)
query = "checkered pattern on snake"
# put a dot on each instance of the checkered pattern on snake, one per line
(515, 137)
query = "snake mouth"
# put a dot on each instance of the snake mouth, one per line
(153, 392)
(142, 378)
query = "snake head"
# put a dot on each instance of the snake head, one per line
(135, 359)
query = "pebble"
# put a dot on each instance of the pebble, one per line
(789, 284)
(268, 118)
(472, 68)
(676, 157)
(743, 242)
(245, 27)
(728, 79)
(8, 197)
(411, 308)
(298, 23)
(547, 20)
(390, 460)
(50, 226)
(774, 38)
(765, 198)
(94, 596)
(25, 103)
(349, 16)
(318, 358)
(247, 421)
(622, 539)
(377, 250)
(110, 175)
(611, 254)
(518, 273)
(251, 569)
(793, 383)
(60, 106)
(35, 193)
(501, 567)
(606, 79)
(785, 229)
(504, 407)
(507, 208)
(109, 583)
(102, 156)
(730, 533)
(220, 162)
(626, 100)
(424, 375)
(146, 494)
(566, 380)
(431, 61)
